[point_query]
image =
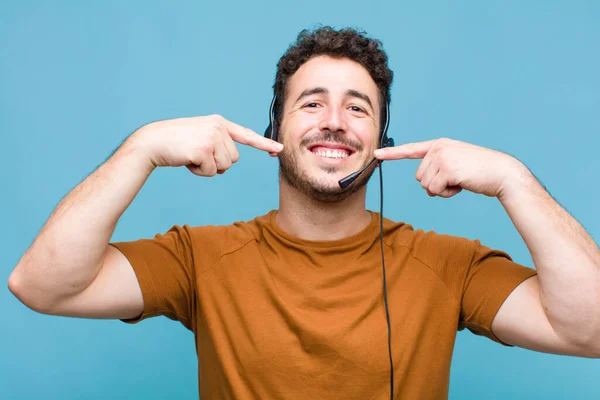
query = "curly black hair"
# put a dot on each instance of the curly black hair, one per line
(345, 43)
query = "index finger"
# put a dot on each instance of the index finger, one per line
(248, 137)
(408, 150)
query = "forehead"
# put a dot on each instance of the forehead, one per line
(338, 75)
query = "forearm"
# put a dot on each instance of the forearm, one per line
(67, 254)
(565, 255)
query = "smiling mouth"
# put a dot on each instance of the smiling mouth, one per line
(334, 153)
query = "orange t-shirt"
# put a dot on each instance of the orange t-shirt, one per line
(278, 317)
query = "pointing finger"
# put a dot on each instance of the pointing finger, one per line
(247, 136)
(405, 151)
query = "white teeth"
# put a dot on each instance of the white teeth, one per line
(332, 153)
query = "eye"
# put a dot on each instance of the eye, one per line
(311, 105)
(357, 109)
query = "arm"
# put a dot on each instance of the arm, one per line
(557, 311)
(69, 252)
(564, 298)
(70, 269)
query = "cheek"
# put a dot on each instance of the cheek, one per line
(367, 135)
(296, 127)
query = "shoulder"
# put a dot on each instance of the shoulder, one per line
(428, 246)
(226, 238)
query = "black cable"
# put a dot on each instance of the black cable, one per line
(387, 311)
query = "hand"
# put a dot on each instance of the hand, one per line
(449, 166)
(205, 145)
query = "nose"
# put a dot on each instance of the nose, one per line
(333, 120)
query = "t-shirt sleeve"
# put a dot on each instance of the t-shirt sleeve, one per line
(478, 278)
(164, 268)
(490, 278)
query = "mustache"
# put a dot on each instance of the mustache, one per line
(331, 137)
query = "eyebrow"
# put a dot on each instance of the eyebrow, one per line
(349, 92)
(308, 92)
(360, 95)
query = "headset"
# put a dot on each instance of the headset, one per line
(384, 141)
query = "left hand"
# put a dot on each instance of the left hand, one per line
(450, 166)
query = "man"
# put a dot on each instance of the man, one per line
(289, 305)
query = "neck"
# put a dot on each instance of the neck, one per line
(309, 219)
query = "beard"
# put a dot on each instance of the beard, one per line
(321, 189)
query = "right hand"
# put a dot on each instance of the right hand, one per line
(205, 145)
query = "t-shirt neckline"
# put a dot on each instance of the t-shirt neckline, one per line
(364, 234)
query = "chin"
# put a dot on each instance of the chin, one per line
(322, 186)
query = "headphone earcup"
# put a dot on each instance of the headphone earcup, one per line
(270, 132)
(385, 141)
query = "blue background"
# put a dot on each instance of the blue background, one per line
(77, 78)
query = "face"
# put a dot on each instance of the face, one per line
(329, 128)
